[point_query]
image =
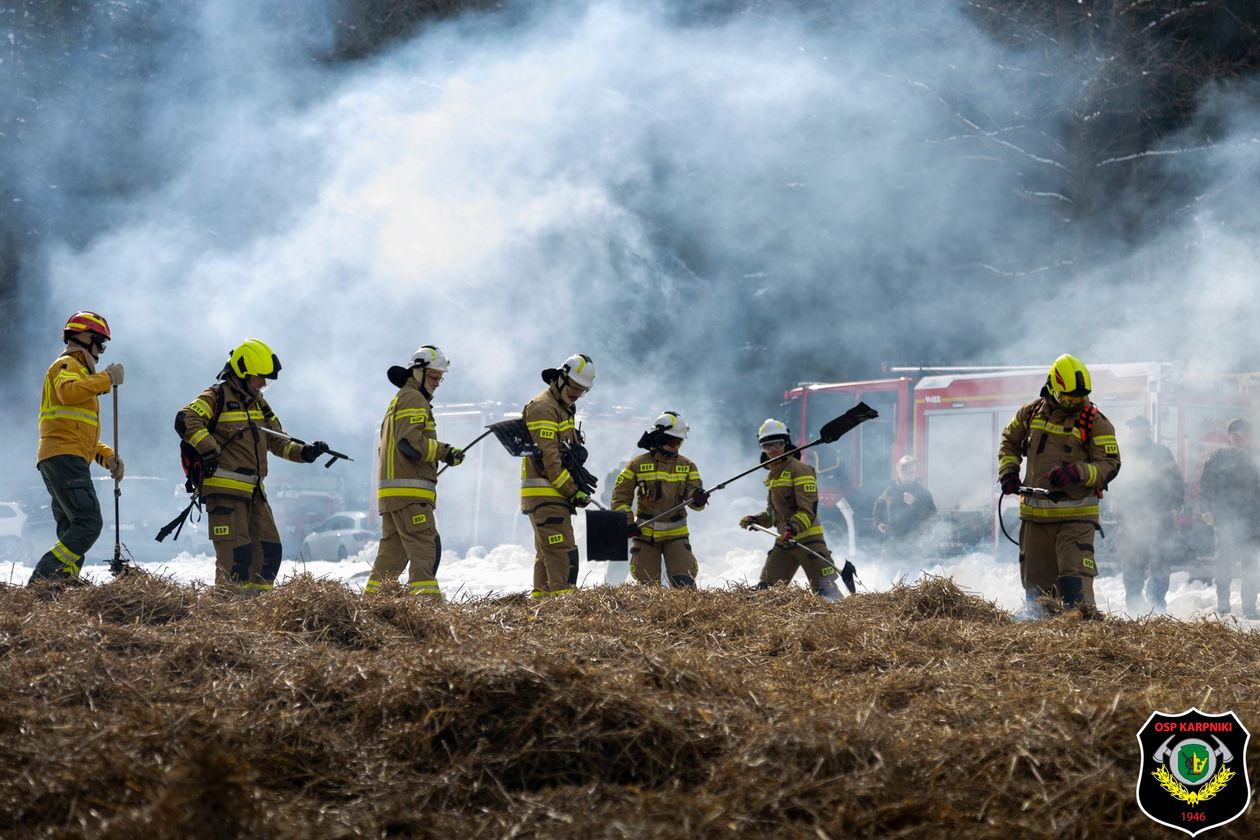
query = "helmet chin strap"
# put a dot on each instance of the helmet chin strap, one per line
(420, 372)
(90, 347)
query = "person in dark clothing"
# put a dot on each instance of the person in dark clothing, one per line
(1147, 504)
(1229, 498)
(902, 510)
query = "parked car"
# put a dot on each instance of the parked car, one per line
(339, 536)
(12, 518)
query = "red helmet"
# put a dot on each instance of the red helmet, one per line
(85, 321)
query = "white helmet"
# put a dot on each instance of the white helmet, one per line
(579, 369)
(669, 423)
(430, 358)
(772, 431)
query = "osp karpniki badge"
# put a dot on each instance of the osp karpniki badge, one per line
(1193, 774)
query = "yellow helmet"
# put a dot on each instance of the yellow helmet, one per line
(1068, 379)
(253, 358)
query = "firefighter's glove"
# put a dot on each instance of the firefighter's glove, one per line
(209, 463)
(788, 536)
(633, 530)
(114, 464)
(1065, 475)
(1010, 484)
(454, 456)
(312, 451)
(581, 499)
(747, 522)
(115, 373)
(700, 498)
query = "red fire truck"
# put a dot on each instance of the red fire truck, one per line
(951, 420)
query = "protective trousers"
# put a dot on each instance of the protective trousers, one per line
(409, 540)
(782, 561)
(246, 543)
(680, 563)
(1057, 559)
(555, 552)
(1237, 555)
(77, 514)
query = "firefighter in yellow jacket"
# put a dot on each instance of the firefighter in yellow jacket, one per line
(549, 494)
(407, 480)
(792, 509)
(225, 426)
(661, 479)
(70, 438)
(1071, 454)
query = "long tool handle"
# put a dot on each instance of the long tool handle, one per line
(831, 432)
(475, 440)
(285, 436)
(848, 573)
(793, 543)
(117, 564)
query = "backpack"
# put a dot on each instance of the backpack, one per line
(189, 458)
(194, 467)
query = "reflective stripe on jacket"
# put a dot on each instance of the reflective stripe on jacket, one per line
(403, 480)
(1054, 436)
(69, 411)
(792, 498)
(654, 483)
(242, 448)
(550, 423)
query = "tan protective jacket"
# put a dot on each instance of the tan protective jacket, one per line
(1049, 436)
(550, 423)
(793, 498)
(242, 448)
(403, 480)
(70, 413)
(660, 483)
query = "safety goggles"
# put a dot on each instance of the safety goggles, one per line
(1072, 401)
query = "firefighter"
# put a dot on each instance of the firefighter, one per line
(903, 507)
(1071, 451)
(1229, 498)
(407, 479)
(223, 424)
(549, 494)
(69, 439)
(661, 479)
(1147, 505)
(792, 509)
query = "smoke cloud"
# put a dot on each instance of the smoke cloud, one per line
(714, 207)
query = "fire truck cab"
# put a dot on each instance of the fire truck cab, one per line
(951, 420)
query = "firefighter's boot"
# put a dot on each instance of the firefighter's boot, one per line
(683, 581)
(1072, 592)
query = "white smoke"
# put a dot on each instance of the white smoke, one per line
(715, 209)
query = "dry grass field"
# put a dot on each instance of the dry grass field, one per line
(143, 708)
